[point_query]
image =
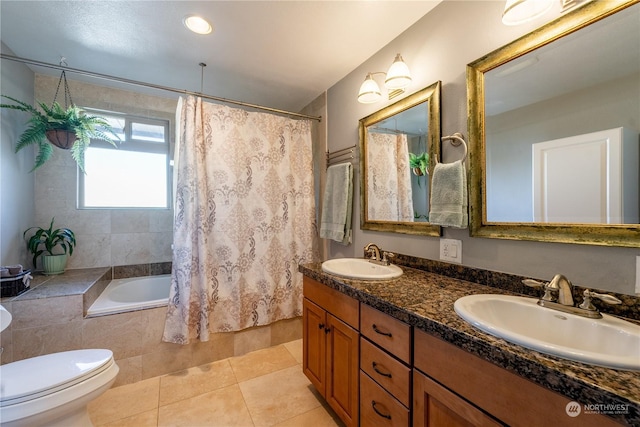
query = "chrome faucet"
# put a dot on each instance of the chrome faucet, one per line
(564, 287)
(564, 302)
(374, 250)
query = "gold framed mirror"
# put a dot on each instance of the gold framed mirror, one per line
(398, 145)
(572, 78)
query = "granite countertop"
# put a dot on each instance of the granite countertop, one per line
(425, 300)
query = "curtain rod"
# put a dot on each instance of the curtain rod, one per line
(154, 86)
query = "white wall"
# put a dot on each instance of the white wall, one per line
(16, 183)
(438, 47)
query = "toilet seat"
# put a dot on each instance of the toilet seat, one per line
(39, 376)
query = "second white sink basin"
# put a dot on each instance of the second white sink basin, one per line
(608, 342)
(361, 269)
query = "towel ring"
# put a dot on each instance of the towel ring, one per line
(456, 139)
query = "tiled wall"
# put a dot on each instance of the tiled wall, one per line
(105, 237)
(49, 325)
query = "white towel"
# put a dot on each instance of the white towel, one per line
(449, 195)
(337, 204)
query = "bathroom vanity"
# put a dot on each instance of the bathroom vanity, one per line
(395, 353)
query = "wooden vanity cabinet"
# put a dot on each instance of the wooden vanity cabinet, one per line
(331, 348)
(385, 370)
(457, 388)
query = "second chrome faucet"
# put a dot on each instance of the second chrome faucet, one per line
(564, 302)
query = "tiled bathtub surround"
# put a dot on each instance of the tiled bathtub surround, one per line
(425, 300)
(50, 318)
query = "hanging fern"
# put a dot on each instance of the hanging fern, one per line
(73, 119)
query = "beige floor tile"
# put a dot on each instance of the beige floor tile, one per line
(125, 401)
(261, 362)
(278, 396)
(224, 407)
(295, 348)
(319, 417)
(144, 419)
(194, 381)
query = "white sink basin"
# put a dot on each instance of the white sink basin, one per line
(5, 318)
(361, 269)
(608, 342)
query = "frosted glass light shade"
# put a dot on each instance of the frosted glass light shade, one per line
(197, 24)
(519, 11)
(398, 76)
(369, 91)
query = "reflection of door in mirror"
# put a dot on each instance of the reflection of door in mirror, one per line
(590, 178)
(582, 83)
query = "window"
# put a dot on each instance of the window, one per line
(133, 175)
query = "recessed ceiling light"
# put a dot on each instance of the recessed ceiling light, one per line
(197, 24)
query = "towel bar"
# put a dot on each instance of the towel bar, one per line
(340, 156)
(456, 139)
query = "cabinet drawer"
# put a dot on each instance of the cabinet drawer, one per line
(389, 333)
(387, 371)
(340, 305)
(379, 408)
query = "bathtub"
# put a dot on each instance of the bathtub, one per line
(135, 293)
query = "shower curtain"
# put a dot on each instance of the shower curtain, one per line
(389, 178)
(244, 218)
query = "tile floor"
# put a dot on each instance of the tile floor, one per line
(262, 388)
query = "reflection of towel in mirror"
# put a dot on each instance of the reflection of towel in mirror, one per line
(449, 195)
(337, 204)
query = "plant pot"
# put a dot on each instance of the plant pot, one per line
(54, 264)
(417, 171)
(61, 138)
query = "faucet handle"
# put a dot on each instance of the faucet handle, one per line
(534, 283)
(548, 296)
(588, 295)
(386, 256)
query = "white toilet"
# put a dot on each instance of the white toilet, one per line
(54, 389)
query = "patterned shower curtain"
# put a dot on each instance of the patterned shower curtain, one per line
(389, 180)
(244, 219)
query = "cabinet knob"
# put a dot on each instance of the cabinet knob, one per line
(321, 326)
(327, 330)
(373, 405)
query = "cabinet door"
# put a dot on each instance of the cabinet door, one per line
(342, 370)
(314, 344)
(436, 406)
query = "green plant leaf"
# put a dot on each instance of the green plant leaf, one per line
(54, 117)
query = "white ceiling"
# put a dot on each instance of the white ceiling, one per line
(280, 54)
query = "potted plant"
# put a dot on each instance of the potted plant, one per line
(70, 128)
(51, 238)
(419, 164)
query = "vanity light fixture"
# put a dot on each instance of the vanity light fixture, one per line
(197, 24)
(520, 11)
(397, 79)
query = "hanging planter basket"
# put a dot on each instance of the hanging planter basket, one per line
(61, 138)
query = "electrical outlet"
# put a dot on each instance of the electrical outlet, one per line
(451, 250)
(638, 275)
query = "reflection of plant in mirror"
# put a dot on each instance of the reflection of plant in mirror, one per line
(419, 164)
(417, 216)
